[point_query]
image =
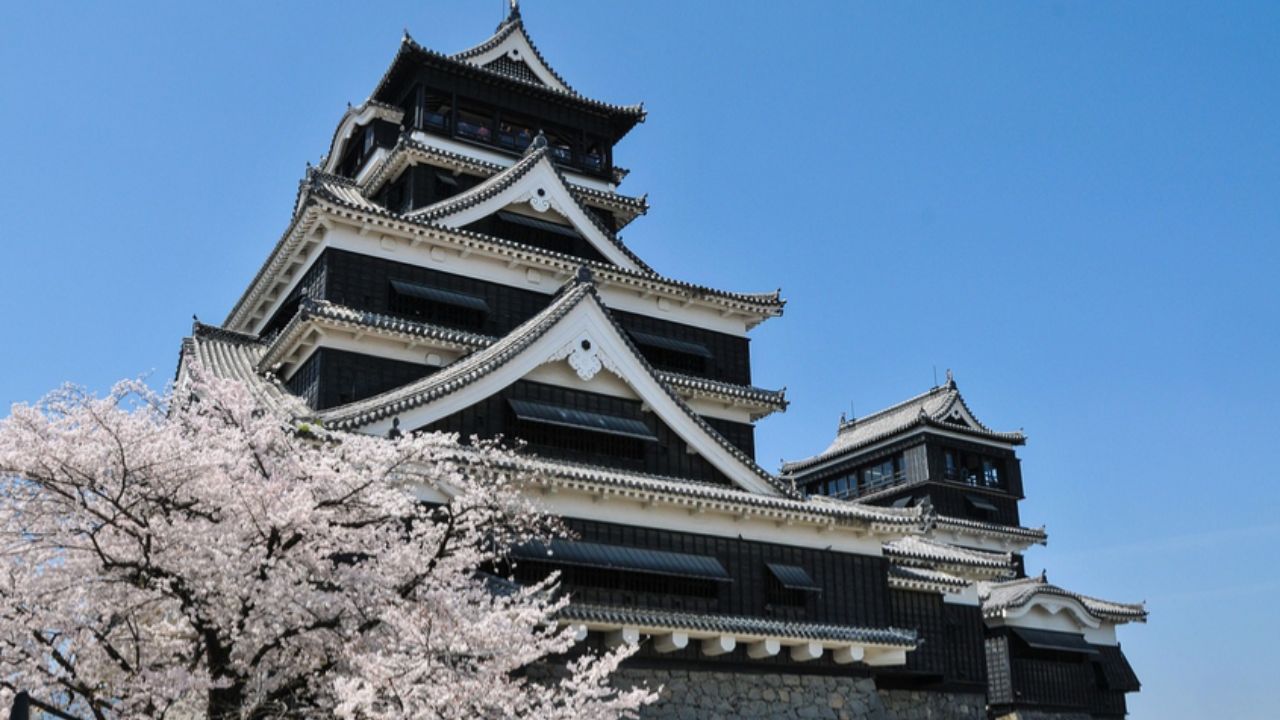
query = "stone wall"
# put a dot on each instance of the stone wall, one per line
(1041, 715)
(696, 695)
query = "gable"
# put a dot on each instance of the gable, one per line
(576, 331)
(510, 51)
(532, 189)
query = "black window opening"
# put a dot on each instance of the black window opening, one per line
(980, 508)
(397, 197)
(609, 573)
(667, 353)
(435, 305)
(789, 586)
(538, 233)
(437, 112)
(534, 223)
(1052, 642)
(514, 134)
(580, 434)
(973, 469)
(475, 124)
(865, 479)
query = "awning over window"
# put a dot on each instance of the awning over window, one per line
(981, 503)
(445, 297)
(793, 577)
(447, 179)
(1059, 641)
(537, 224)
(560, 416)
(1116, 670)
(617, 557)
(666, 343)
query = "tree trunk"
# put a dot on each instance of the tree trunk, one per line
(226, 703)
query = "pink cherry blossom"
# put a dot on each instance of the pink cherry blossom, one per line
(194, 555)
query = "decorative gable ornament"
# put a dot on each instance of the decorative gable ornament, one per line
(539, 200)
(584, 357)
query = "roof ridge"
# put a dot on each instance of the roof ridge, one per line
(852, 422)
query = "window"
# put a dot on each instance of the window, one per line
(879, 475)
(789, 586)
(436, 112)
(973, 469)
(429, 304)
(514, 135)
(668, 353)
(368, 139)
(475, 125)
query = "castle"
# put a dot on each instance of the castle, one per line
(454, 264)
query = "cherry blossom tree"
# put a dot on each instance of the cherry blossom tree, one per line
(196, 555)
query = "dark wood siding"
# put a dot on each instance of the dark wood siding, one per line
(335, 377)
(668, 456)
(742, 435)
(854, 588)
(952, 642)
(1021, 677)
(312, 284)
(363, 282)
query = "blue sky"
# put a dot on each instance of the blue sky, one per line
(1073, 205)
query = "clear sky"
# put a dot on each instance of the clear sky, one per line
(1076, 206)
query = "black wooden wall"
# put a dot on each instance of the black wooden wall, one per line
(364, 282)
(1021, 677)
(668, 456)
(952, 637)
(333, 377)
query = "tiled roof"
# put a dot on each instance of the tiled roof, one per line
(1001, 596)
(591, 477)
(309, 309)
(513, 24)
(502, 181)
(947, 522)
(341, 189)
(922, 579)
(477, 365)
(768, 304)
(775, 400)
(935, 408)
(380, 110)
(234, 356)
(718, 389)
(931, 552)
(738, 625)
(410, 46)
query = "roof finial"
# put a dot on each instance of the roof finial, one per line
(538, 142)
(951, 379)
(394, 433)
(584, 275)
(1044, 575)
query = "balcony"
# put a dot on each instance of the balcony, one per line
(973, 478)
(484, 130)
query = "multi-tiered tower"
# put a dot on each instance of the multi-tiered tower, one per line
(454, 264)
(1048, 650)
